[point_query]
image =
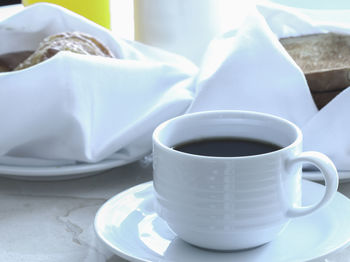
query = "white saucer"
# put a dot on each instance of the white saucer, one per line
(129, 226)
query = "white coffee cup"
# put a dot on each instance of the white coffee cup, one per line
(231, 203)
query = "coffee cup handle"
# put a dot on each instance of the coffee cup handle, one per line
(330, 174)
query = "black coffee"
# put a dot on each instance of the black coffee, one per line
(226, 147)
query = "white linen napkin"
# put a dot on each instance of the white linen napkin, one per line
(328, 131)
(105, 108)
(247, 68)
(74, 107)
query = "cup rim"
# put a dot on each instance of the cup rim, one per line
(160, 127)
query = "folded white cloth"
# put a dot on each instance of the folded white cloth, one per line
(79, 108)
(85, 108)
(328, 131)
(247, 68)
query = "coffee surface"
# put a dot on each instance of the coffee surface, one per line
(226, 147)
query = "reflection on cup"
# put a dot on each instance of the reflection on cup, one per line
(234, 198)
(95, 10)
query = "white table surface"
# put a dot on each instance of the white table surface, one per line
(53, 221)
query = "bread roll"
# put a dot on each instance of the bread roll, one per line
(75, 42)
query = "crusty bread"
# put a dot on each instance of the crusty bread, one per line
(76, 42)
(325, 61)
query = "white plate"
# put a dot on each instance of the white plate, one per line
(129, 226)
(59, 172)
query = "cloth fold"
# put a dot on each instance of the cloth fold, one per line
(248, 69)
(82, 108)
(86, 108)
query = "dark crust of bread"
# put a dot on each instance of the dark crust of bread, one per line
(9, 61)
(323, 98)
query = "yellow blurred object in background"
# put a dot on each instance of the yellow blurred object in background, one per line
(95, 10)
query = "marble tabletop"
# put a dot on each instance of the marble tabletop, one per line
(53, 221)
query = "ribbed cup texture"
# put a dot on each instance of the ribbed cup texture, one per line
(235, 195)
